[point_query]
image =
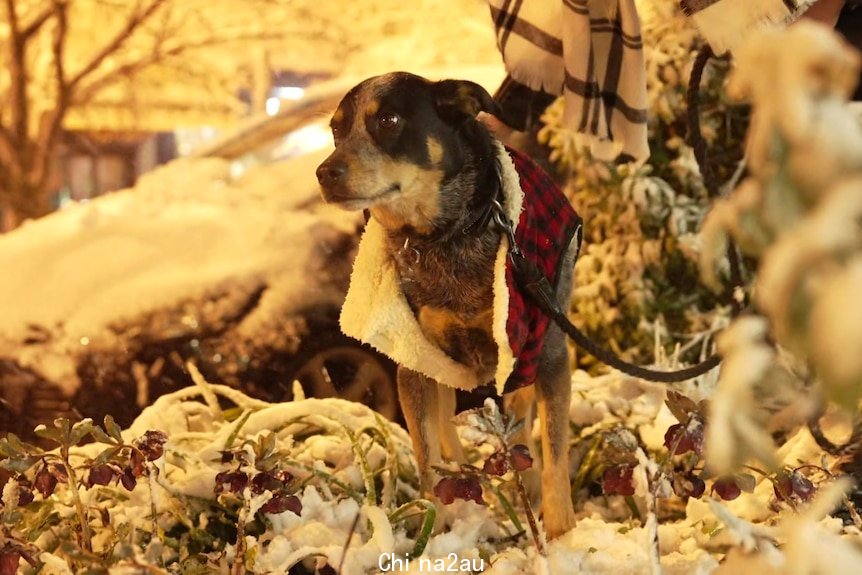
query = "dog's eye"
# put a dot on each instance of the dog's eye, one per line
(387, 120)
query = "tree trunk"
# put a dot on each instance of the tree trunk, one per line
(8, 218)
(24, 201)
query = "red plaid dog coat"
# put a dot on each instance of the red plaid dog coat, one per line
(545, 230)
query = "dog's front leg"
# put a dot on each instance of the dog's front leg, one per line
(449, 440)
(419, 403)
(521, 405)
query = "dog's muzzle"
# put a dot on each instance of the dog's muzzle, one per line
(331, 173)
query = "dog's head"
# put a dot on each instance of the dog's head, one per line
(398, 137)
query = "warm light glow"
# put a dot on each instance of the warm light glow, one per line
(272, 106)
(304, 140)
(288, 92)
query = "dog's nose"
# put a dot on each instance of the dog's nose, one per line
(331, 172)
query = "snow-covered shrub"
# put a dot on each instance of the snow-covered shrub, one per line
(637, 276)
(797, 213)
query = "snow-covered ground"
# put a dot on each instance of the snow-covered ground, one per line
(354, 476)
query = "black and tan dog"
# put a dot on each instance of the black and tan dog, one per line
(429, 286)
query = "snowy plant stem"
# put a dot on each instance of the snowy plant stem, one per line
(531, 519)
(239, 553)
(367, 474)
(152, 478)
(72, 480)
(507, 507)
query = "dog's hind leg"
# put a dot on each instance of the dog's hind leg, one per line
(554, 397)
(451, 443)
(418, 397)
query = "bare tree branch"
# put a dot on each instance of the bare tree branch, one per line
(38, 22)
(18, 90)
(51, 123)
(158, 55)
(132, 24)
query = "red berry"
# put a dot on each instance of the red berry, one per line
(294, 504)
(689, 485)
(521, 458)
(802, 486)
(726, 488)
(136, 462)
(45, 482)
(445, 490)
(282, 503)
(618, 480)
(782, 486)
(128, 479)
(682, 439)
(59, 471)
(450, 488)
(698, 487)
(230, 481)
(151, 444)
(101, 475)
(496, 464)
(25, 496)
(9, 561)
(470, 490)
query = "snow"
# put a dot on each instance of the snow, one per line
(186, 232)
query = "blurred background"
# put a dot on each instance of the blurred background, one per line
(206, 121)
(108, 89)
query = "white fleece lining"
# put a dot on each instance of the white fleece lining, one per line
(376, 312)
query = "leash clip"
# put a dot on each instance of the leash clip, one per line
(503, 222)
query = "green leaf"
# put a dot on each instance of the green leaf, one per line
(16, 444)
(113, 429)
(425, 532)
(507, 507)
(47, 519)
(8, 447)
(20, 463)
(745, 481)
(50, 433)
(106, 455)
(79, 431)
(680, 406)
(65, 426)
(514, 427)
(100, 436)
(228, 444)
(267, 445)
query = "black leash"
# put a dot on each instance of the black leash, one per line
(534, 283)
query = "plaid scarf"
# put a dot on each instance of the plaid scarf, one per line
(591, 52)
(725, 23)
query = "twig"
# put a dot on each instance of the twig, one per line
(353, 527)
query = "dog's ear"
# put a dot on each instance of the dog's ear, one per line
(458, 100)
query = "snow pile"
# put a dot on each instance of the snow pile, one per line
(187, 232)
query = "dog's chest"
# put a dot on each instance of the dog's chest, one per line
(451, 292)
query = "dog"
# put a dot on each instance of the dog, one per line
(427, 287)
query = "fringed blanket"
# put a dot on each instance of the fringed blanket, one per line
(591, 52)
